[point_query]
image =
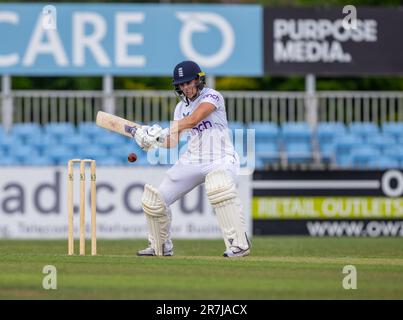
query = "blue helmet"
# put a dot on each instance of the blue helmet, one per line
(187, 71)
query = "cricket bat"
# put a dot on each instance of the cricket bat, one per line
(116, 124)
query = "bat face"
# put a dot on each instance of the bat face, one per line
(116, 124)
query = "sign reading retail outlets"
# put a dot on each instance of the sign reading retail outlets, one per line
(333, 41)
(332, 203)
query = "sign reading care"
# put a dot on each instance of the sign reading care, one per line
(319, 41)
(125, 39)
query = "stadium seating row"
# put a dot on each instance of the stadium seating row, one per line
(358, 145)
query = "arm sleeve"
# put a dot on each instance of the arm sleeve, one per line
(215, 98)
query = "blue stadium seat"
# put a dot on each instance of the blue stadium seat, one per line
(111, 140)
(267, 152)
(343, 160)
(109, 162)
(383, 163)
(90, 129)
(395, 153)
(344, 144)
(24, 152)
(393, 128)
(361, 156)
(327, 153)
(9, 161)
(8, 142)
(134, 146)
(327, 131)
(236, 125)
(60, 130)
(382, 141)
(42, 141)
(297, 147)
(26, 130)
(94, 152)
(62, 160)
(122, 151)
(296, 132)
(363, 129)
(298, 153)
(265, 131)
(38, 161)
(266, 145)
(76, 141)
(60, 154)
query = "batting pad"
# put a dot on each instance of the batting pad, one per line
(223, 196)
(157, 218)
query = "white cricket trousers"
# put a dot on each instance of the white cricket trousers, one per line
(182, 177)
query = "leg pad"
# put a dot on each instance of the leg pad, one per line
(223, 196)
(157, 217)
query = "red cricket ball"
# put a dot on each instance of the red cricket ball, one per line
(132, 157)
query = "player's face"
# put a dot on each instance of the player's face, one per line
(189, 88)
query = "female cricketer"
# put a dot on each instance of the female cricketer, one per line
(210, 159)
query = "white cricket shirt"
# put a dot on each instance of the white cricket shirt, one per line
(210, 139)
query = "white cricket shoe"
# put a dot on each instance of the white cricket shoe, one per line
(149, 251)
(235, 251)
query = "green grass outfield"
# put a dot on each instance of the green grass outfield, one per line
(278, 268)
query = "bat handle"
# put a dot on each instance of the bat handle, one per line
(130, 129)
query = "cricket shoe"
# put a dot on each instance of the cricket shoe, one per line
(149, 251)
(235, 251)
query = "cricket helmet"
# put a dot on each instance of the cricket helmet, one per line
(187, 71)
